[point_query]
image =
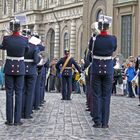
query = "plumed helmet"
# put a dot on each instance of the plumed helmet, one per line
(26, 32)
(14, 25)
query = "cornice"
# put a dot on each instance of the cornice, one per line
(117, 5)
(63, 7)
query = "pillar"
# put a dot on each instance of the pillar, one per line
(57, 41)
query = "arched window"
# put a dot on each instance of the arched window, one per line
(52, 38)
(81, 38)
(66, 40)
(100, 12)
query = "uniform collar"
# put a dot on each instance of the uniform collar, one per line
(104, 33)
(16, 34)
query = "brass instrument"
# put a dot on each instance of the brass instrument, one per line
(82, 80)
(34, 40)
(44, 57)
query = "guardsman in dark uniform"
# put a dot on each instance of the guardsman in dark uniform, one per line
(31, 59)
(45, 68)
(16, 46)
(42, 72)
(67, 74)
(137, 68)
(87, 61)
(102, 74)
(39, 83)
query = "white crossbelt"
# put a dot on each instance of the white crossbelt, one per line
(102, 57)
(28, 60)
(15, 58)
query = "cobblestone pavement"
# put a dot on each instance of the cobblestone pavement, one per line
(68, 120)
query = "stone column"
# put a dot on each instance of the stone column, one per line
(1, 8)
(31, 4)
(73, 38)
(36, 28)
(19, 6)
(56, 41)
(45, 4)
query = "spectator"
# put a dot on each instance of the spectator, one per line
(130, 73)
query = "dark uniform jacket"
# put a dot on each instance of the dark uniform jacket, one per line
(137, 65)
(41, 47)
(31, 60)
(104, 46)
(16, 46)
(68, 69)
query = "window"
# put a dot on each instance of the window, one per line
(81, 45)
(66, 40)
(15, 5)
(100, 12)
(39, 3)
(52, 38)
(5, 7)
(51, 1)
(126, 36)
(26, 4)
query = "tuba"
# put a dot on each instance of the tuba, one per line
(34, 40)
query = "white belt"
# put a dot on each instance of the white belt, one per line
(28, 60)
(15, 58)
(68, 67)
(102, 57)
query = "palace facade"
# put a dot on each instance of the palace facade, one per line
(58, 22)
(126, 22)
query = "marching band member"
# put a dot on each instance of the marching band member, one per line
(137, 68)
(16, 46)
(66, 72)
(39, 87)
(31, 59)
(102, 73)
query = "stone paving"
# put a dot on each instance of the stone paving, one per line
(68, 120)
